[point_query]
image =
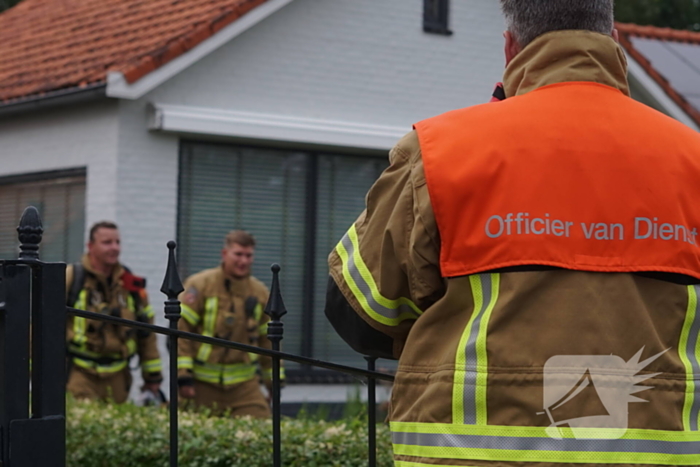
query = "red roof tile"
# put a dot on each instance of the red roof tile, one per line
(49, 45)
(627, 31)
(652, 32)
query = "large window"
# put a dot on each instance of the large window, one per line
(60, 199)
(297, 204)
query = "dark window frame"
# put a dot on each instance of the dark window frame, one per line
(71, 177)
(33, 177)
(304, 374)
(436, 17)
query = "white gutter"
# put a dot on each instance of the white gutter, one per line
(117, 86)
(208, 121)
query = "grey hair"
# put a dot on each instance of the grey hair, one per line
(529, 19)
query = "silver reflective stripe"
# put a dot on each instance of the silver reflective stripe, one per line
(509, 443)
(470, 355)
(366, 290)
(691, 352)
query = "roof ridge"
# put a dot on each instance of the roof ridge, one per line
(655, 32)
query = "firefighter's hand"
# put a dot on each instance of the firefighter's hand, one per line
(153, 387)
(187, 392)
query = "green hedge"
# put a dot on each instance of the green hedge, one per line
(100, 435)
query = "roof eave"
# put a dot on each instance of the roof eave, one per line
(54, 99)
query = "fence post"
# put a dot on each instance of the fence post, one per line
(48, 355)
(172, 287)
(372, 412)
(33, 289)
(275, 332)
(14, 350)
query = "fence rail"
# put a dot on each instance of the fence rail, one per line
(32, 291)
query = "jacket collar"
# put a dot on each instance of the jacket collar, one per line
(234, 285)
(566, 56)
(116, 273)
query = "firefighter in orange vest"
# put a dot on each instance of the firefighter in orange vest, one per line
(226, 302)
(99, 353)
(534, 265)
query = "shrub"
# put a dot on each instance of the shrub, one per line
(101, 435)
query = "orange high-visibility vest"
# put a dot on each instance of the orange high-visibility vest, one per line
(572, 175)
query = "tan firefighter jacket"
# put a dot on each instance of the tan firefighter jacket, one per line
(216, 305)
(101, 348)
(485, 374)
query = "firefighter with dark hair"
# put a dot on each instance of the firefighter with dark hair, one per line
(226, 302)
(99, 352)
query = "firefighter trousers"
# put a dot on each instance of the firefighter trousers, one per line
(112, 388)
(236, 400)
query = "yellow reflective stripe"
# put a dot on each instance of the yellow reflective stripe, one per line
(206, 378)
(152, 366)
(532, 432)
(253, 357)
(79, 329)
(80, 303)
(225, 367)
(148, 311)
(211, 307)
(263, 329)
(225, 374)
(80, 323)
(471, 361)
(533, 444)
(189, 314)
(267, 373)
(360, 281)
(420, 464)
(83, 352)
(688, 349)
(185, 363)
(461, 360)
(689, 381)
(234, 379)
(258, 312)
(130, 303)
(131, 347)
(102, 369)
(569, 457)
(481, 354)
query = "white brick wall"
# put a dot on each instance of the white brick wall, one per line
(362, 61)
(78, 136)
(146, 200)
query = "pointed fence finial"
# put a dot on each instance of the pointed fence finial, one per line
(29, 233)
(275, 306)
(172, 285)
(275, 331)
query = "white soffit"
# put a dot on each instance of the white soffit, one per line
(207, 121)
(673, 109)
(118, 87)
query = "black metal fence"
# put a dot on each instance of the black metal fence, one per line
(32, 401)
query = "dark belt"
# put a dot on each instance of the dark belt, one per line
(99, 361)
